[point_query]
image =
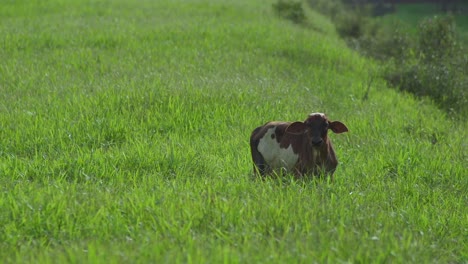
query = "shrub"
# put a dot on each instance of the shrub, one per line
(331, 8)
(350, 25)
(428, 64)
(385, 42)
(351, 21)
(291, 10)
(443, 83)
(355, 22)
(440, 67)
(393, 42)
(437, 38)
(431, 63)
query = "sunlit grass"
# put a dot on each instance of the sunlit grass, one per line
(124, 138)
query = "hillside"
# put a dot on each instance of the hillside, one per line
(124, 138)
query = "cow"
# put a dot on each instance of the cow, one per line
(300, 148)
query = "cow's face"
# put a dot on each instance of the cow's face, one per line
(315, 127)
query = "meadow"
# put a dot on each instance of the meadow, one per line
(124, 129)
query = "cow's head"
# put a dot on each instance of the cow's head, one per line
(316, 127)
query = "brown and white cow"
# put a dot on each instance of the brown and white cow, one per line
(302, 148)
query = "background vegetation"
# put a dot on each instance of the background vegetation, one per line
(422, 49)
(124, 138)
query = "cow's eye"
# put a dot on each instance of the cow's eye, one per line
(325, 127)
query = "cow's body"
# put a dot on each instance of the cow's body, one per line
(301, 148)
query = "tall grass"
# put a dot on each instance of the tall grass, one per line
(124, 138)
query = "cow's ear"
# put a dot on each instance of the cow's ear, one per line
(337, 127)
(296, 128)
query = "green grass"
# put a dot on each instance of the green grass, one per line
(124, 138)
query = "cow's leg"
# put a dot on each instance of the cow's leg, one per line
(260, 166)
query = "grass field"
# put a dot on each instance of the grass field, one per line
(124, 139)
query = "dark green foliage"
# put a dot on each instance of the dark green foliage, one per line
(431, 63)
(351, 21)
(350, 25)
(438, 68)
(385, 42)
(331, 8)
(437, 38)
(355, 22)
(291, 10)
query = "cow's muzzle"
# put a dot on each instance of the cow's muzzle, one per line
(317, 142)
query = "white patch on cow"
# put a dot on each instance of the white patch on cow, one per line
(320, 114)
(275, 156)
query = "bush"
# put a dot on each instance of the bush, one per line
(331, 8)
(355, 22)
(437, 38)
(385, 42)
(428, 64)
(439, 69)
(291, 10)
(393, 42)
(444, 84)
(351, 21)
(350, 25)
